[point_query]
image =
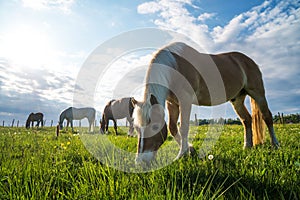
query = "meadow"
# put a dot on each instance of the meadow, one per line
(35, 164)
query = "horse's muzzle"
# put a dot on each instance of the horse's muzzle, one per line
(142, 158)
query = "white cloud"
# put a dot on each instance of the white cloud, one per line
(149, 7)
(205, 16)
(44, 84)
(123, 77)
(173, 15)
(63, 5)
(230, 32)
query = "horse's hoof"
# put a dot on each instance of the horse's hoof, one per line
(276, 146)
(177, 157)
(247, 146)
(192, 151)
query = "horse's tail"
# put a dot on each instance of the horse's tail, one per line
(258, 125)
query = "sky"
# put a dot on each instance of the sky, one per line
(44, 45)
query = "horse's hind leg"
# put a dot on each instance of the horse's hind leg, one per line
(245, 117)
(261, 101)
(91, 125)
(115, 126)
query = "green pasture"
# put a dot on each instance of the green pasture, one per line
(35, 164)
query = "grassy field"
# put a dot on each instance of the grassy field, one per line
(35, 164)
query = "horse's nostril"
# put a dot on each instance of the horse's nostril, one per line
(138, 160)
(155, 127)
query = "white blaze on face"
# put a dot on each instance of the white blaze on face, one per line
(143, 155)
(142, 131)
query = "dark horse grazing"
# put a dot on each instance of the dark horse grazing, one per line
(118, 109)
(35, 117)
(72, 113)
(181, 76)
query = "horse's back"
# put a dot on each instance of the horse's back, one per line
(35, 116)
(79, 113)
(121, 108)
(207, 73)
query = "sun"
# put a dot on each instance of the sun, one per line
(27, 46)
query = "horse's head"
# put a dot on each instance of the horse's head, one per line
(60, 124)
(151, 127)
(102, 125)
(27, 123)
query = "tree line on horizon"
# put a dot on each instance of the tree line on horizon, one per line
(277, 119)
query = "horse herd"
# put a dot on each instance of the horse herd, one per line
(179, 76)
(114, 109)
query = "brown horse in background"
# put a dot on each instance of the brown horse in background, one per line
(118, 109)
(35, 117)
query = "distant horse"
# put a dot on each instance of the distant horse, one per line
(35, 117)
(181, 76)
(118, 109)
(72, 113)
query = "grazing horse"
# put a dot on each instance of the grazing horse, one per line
(180, 76)
(72, 113)
(118, 109)
(35, 117)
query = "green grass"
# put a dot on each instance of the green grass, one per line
(35, 164)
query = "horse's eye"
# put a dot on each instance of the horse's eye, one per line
(155, 127)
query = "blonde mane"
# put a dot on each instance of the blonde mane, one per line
(141, 113)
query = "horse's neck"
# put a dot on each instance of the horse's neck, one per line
(158, 91)
(62, 117)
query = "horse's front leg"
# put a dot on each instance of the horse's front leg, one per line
(71, 121)
(185, 147)
(67, 125)
(131, 129)
(106, 125)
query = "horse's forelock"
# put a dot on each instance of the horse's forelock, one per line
(141, 114)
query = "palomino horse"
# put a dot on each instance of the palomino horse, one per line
(72, 113)
(118, 109)
(35, 117)
(181, 76)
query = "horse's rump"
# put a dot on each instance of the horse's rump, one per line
(122, 108)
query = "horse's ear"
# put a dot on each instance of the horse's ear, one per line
(153, 100)
(133, 101)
